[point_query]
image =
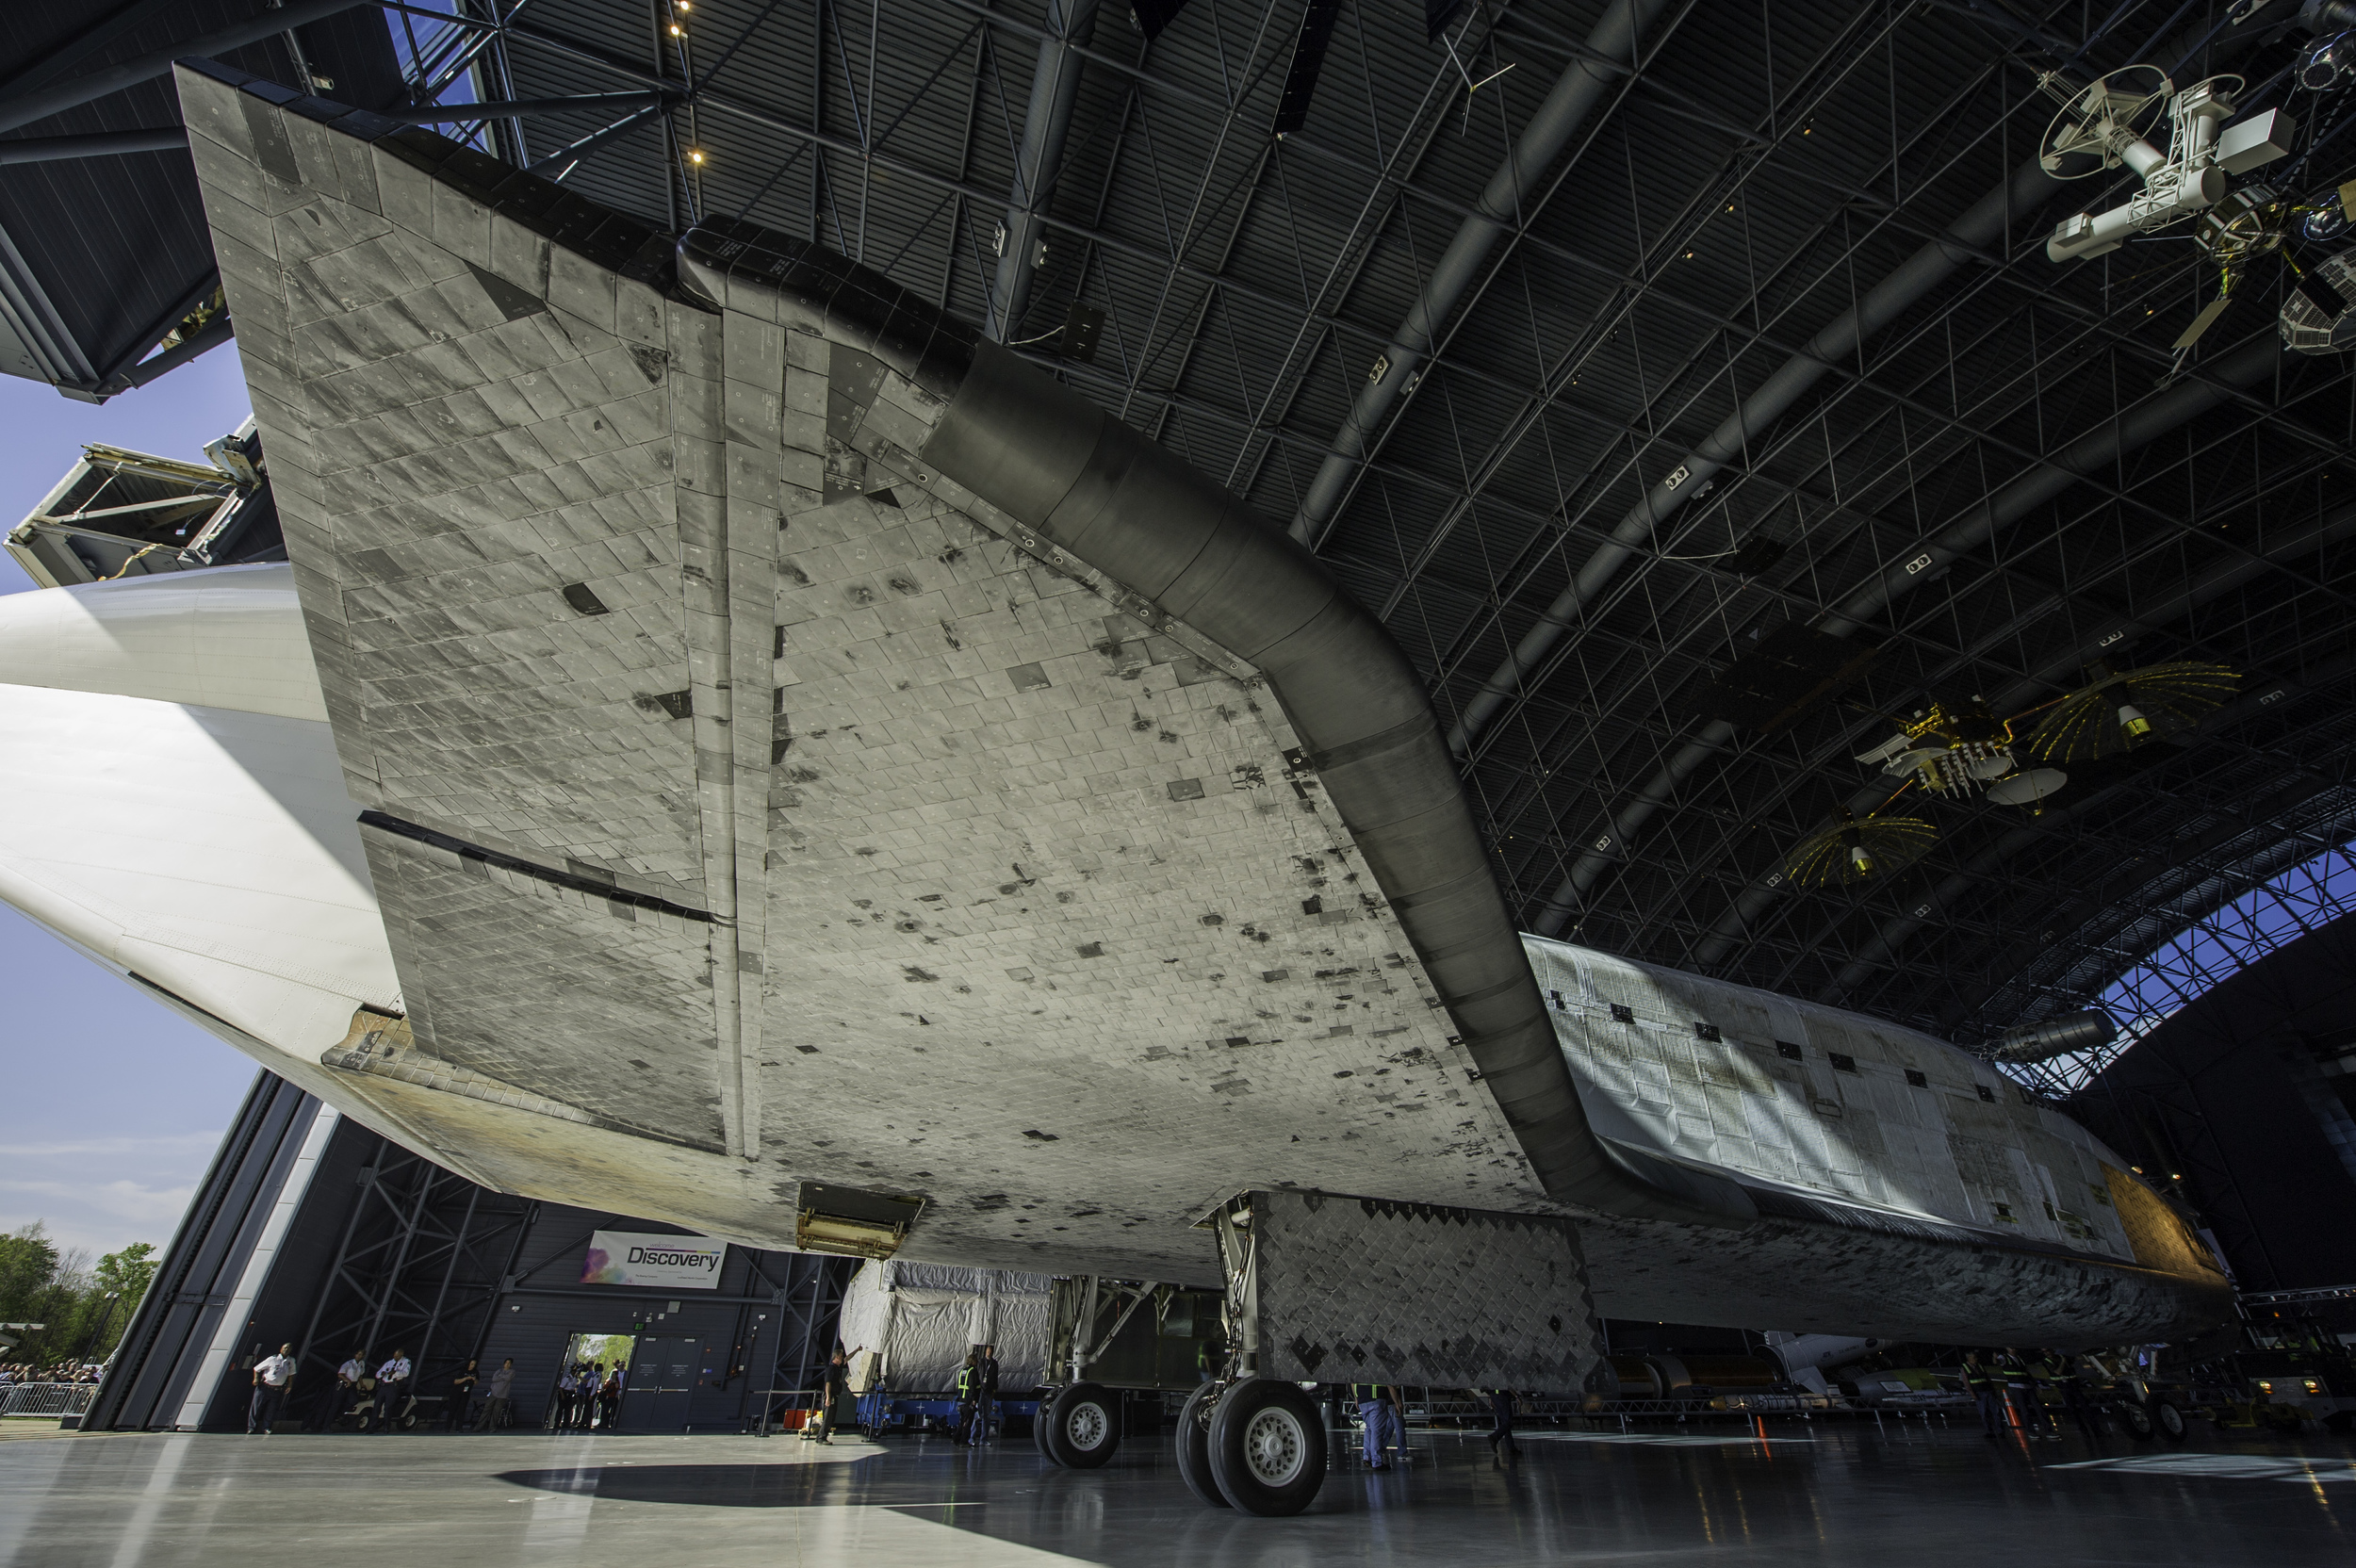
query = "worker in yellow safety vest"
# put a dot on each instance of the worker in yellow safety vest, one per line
(1988, 1392)
(969, 1384)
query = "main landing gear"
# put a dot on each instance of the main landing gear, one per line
(1255, 1445)
(1313, 1284)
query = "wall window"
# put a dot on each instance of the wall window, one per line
(2203, 954)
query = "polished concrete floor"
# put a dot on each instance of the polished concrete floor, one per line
(1825, 1493)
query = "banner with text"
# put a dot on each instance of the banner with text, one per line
(668, 1263)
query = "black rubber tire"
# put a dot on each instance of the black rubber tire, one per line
(1267, 1447)
(1038, 1426)
(1194, 1445)
(2137, 1419)
(1083, 1426)
(2169, 1420)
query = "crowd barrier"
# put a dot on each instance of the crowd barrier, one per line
(47, 1398)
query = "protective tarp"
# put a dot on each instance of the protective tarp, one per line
(920, 1320)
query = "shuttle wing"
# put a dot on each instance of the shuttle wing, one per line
(793, 729)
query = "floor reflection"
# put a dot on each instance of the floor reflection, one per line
(1823, 1493)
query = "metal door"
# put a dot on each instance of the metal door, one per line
(662, 1381)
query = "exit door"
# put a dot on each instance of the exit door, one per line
(662, 1381)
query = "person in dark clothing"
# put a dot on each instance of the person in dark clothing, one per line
(1378, 1407)
(2069, 1377)
(2021, 1386)
(336, 1400)
(500, 1398)
(586, 1395)
(985, 1393)
(609, 1398)
(1502, 1433)
(1987, 1391)
(835, 1386)
(459, 1406)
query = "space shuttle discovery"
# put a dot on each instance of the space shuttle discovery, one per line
(728, 744)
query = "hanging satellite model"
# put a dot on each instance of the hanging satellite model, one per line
(1948, 753)
(2029, 788)
(2257, 222)
(2065, 1035)
(1852, 850)
(2105, 125)
(1958, 750)
(2316, 319)
(2119, 709)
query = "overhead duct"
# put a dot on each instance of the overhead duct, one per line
(1055, 88)
(2060, 1037)
(1500, 210)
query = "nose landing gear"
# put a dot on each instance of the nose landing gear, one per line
(1080, 1427)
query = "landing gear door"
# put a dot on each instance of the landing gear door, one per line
(1338, 1289)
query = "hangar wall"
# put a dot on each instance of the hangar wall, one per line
(2247, 1096)
(310, 1229)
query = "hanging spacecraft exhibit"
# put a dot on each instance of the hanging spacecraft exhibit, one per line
(732, 746)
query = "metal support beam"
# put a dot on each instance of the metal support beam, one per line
(105, 144)
(1575, 96)
(1055, 87)
(89, 41)
(456, 114)
(23, 109)
(556, 163)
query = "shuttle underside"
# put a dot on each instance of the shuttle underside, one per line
(724, 729)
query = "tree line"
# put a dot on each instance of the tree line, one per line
(84, 1306)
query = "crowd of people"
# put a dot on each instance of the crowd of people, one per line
(588, 1397)
(15, 1372)
(379, 1396)
(372, 1395)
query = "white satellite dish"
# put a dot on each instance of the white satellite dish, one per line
(2027, 788)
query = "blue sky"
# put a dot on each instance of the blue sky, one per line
(109, 1106)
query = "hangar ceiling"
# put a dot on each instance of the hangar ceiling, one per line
(1591, 347)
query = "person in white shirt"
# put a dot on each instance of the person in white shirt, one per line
(392, 1390)
(273, 1377)
(336, 1400)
